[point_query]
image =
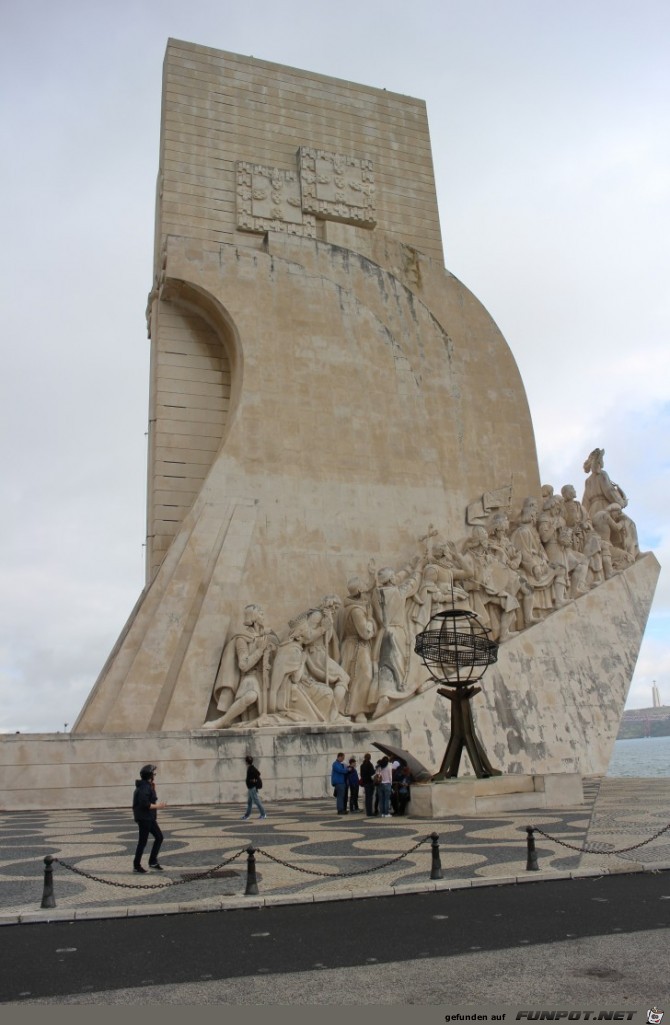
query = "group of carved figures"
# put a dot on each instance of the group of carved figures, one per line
(350, 660)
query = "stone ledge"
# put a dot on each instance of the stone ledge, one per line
(293, 898)
(533, 877)
(93, 913)
(469, 796)
(493, 881)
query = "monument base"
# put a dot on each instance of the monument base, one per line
(53, 771)
(467, 795)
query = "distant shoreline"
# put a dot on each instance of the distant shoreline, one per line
(645, 722)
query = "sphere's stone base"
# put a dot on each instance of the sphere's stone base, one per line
(468, 795)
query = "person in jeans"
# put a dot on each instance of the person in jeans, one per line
(253, 778)
(338, 780)
(145, 806)
(386, 773)
(353, 785)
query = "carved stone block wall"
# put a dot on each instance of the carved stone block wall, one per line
(99, 770)
(190, 401)
(337, 187)
(269, 199)
(220, 109)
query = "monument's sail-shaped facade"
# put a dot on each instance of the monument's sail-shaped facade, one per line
(323, 394)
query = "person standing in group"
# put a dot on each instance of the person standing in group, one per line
(404, 787)
(145, 806)
(353, 784)
(338, 779)
(366, 774)
(386, 773)
(376, 779)
(396, 773)
(254, 784)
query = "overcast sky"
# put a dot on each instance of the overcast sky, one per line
(550, 127)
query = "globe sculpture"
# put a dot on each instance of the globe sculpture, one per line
(456, 650)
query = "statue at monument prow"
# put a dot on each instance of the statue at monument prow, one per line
(354, 661)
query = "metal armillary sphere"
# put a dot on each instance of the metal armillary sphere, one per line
(456, 645)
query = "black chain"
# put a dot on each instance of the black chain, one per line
(342, 875)
(258, 850)
(593, 850)
(150, 886)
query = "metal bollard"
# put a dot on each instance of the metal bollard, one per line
(48, 899)
(252, 884)
(531, 863)
(435, 864)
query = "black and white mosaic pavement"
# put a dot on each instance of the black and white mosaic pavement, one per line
(305, 851)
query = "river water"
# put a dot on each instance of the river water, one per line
(642, 756)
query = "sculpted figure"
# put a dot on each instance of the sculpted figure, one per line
(243, 679)
(574, 515)
(575, 564)
(592, 548)
(492, 585)
(505, 552)
(358, 629)
(500, 543)
(550, 520)
(548, 580)
(551, 527)
(294, 695)
(444, 556)
(611, 531)
(287, 669)
(393, 640)
(628, 533)
(323, 650)
(599, 490)
(430, 599)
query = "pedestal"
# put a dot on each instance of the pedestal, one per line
(467, 795)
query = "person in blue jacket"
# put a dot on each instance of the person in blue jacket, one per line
(338, 779)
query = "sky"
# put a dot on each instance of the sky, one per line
(550, 127)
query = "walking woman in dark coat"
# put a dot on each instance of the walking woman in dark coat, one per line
(145, 806)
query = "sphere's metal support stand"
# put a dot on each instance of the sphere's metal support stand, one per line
(463, 736)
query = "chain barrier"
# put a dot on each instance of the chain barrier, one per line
(342, 875)
(598, 848)
(49, 901)
(151, 886)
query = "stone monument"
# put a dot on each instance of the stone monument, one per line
(310, 360)
(340, 446)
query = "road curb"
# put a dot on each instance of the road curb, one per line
(255, 902)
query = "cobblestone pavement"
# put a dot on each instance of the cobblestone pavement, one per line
(305, 852)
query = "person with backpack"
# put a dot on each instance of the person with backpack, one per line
(145, 806)
(254, 784)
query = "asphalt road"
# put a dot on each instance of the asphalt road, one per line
(71, 961)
